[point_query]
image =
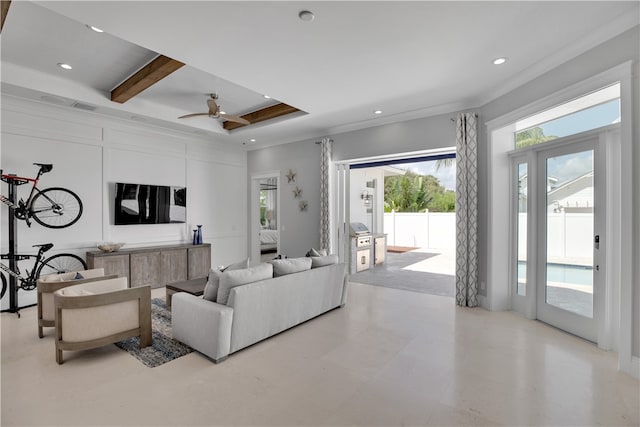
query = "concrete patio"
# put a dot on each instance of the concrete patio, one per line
(425, 270)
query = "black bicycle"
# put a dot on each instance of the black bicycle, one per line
(60, 263)
(54, 207)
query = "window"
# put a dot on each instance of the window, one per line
(592, 111)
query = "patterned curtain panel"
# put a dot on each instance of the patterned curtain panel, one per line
(466, 210)
(325, 170)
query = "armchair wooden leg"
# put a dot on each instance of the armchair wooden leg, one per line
(40, 332)
(59, 356)
(146, 338)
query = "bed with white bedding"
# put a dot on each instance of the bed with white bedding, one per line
(268, 241)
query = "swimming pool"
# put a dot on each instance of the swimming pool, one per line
(563, 273)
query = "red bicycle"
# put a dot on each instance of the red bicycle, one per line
(54, 207)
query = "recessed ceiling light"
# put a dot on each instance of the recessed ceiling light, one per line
(252, 140)
(65, 66)
(499, 61)
(266, 96)
(306, 15)
(96, 29)
(377, 112)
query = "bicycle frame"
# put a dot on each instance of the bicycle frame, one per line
(23, 209)
(21, 257)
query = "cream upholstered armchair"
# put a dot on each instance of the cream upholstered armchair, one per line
(102, 312)
(48, 284)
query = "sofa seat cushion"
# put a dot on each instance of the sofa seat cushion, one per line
(283, 267)
(321, 261)
(233, 278)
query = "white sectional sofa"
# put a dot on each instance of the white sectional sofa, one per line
(257, 310)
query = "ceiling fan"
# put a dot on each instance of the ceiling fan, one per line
(214, 112)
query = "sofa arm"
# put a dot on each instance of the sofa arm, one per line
(203, 325)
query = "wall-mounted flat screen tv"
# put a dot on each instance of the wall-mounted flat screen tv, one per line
(149, 204)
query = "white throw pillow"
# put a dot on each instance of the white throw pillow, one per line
(282, 267)
(231, 279)
(321, 261)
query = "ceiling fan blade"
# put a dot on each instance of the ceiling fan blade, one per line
(232, 118)
(213, 106)
(194, 115)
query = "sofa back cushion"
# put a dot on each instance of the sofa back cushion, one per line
(286, 266)
(321, 261)
(233, 278)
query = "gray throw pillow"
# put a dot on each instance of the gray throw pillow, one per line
(237, 265)
(321, 261)
(231, 279)
(211, 288)
(316, 252)
(213, 283)
(282, 267)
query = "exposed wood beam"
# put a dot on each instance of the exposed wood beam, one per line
(4, 10)
(268, 113)
(147, 76)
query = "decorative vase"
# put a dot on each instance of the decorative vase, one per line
(195, 236)
(199, 239)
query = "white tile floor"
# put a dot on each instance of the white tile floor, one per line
(389, 357)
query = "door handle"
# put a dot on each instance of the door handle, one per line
(596, 241)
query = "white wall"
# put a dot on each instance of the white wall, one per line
(91, 152)
(299, 230)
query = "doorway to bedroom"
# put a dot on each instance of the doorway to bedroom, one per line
(265, 218)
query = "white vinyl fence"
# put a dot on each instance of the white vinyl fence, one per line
(570, 234)
(421, 230)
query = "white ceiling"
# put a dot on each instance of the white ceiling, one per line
(409, 59)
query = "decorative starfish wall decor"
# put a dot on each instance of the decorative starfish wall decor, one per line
(291, 176)
(303, 205)
(297, 192)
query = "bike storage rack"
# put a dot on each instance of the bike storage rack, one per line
(13, 241)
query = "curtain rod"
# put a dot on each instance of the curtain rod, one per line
(453, 119)
(320, 142)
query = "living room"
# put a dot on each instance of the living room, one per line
(342, 365)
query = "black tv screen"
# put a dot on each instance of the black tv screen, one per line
(149, 204)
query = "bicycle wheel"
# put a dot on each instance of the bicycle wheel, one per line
(56, 207)
(61, 263)
(4, 285)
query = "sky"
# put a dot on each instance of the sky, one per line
(446, 175)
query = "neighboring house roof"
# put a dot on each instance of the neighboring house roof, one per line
(577, 193)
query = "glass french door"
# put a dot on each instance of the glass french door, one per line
(569, 241)
(558, 235)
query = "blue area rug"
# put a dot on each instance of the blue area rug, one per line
(164, 348)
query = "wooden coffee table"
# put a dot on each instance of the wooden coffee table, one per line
(193, 287)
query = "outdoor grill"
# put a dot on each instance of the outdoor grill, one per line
(360, 247)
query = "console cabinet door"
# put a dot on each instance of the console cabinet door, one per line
(199, 261)
(112, 264)
(146, 269)
(174, 266)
